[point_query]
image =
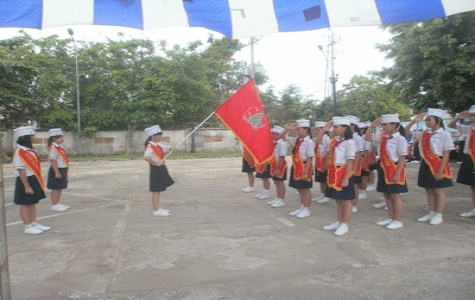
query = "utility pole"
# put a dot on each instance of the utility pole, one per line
(253, 71)
(333, 78)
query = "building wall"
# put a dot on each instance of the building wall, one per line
(110, 142)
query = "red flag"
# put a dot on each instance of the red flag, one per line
(244, 115)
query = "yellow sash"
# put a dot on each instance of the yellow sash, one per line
(32, 161)
(335, 174)
(388, 165)
(431, 159)
(471, 143)
(299, 165)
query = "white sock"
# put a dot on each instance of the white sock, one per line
(29, 225)
(301, 207)
(432, 213)
(438, 215)
(306, 208)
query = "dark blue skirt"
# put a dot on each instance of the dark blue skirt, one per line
(466, 173)
(383, 187)
(427, 180)
(265, 174)
(22, 198)
(320, 176)
(347, 193)
(245, 167)
(159, 178)
(55, 183)
(299, 184)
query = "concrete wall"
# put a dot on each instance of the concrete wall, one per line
(110, 142)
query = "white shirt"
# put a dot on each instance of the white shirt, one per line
(465, 129)
(54, 155)
(18, 163)
(359, 142)
(307, 147)
(440, 141)
(396, 146)
(280, 149)
(325, 147)
(344, 151)
(150, 153)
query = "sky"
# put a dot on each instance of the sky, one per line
(288, 58)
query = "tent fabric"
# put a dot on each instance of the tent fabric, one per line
(232, 18)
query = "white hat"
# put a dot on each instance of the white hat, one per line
(55, 132)
(353, 119)
(390, 118)
(471, 110)
(341, 121)
(277, 129)
(368, 124)
(436, 112)
(153, 130)
(362, 125)
(303, 123)
(320, 124)
(24, 130)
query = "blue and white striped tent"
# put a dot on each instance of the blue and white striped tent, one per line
(232, 18)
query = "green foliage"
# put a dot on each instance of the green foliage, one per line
(434, 62)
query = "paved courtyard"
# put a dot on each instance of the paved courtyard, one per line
(220, 243)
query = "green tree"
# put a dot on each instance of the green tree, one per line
(434, 62)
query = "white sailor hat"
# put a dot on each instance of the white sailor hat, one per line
(340, 121)
(277, 129)
(24, 130)
(471, 110)
(303, 123)
(55, 132)
(390, 118)
(362, 125)
(353, 119)
(320, 124)
(436, 112)
(153, 130)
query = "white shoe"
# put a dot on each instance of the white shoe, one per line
(257, 196)
(273, 201)
(343, 229)
(296, 212)
(362, 194)
(58, 207)
(425, 218)
(40, 227)
(165, 210)
(380, 205)
(370, 187)
(332, 227)
(394, 225)
(264, 195)
(318, 198)
(355, 209)
(33, 230)
(297, 192)
(436, 220)
(385, 222)
(248, 189)
(386, 208)
(303, 214)
(468, 214)
(161, 213)
(323, 200)
(65, 206)
(279, 203)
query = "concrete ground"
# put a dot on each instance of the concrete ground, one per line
(220, 243)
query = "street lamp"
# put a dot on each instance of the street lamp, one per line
(78, 101)
(333, 78)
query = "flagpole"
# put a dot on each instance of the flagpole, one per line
(190, 134)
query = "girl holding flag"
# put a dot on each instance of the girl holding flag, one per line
(340, 181)
(159, 177)
(435, 145)
(29, 184)
(58, 171)
(466, 173)
(392, 146)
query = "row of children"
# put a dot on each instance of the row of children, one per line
(30, 186)
(343, 159)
